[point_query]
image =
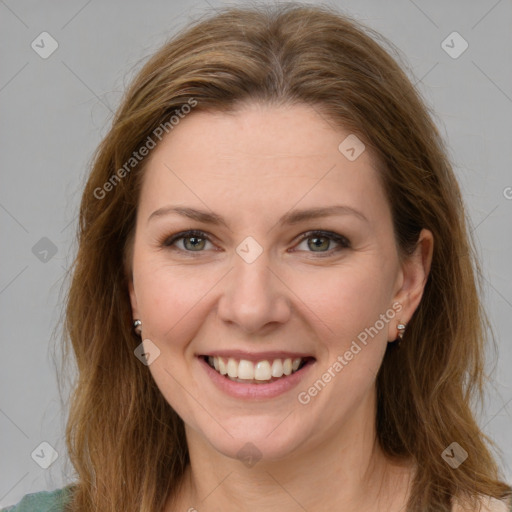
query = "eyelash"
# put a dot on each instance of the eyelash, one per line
(343, 242)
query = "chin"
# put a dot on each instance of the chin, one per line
(262, 438)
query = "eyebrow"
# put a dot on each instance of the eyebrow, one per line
(291, 217)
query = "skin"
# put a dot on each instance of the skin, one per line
(252, 167)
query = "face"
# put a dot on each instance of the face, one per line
(258, 240)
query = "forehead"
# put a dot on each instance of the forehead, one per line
(257, 131)
(264, 156)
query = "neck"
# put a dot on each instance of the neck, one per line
(348, 471)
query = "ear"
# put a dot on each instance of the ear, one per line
(412, 280)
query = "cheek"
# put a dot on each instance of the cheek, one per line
(343, 301)
(173, 303)
(337, 302)
(172, 299)
(353, 308)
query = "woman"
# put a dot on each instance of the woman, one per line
(274, 303)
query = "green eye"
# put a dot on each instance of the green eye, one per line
(195, 243)
(320, 241)
(317, 241)
(192, 241)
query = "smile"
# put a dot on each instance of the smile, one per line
(264, 371)
(255, 377)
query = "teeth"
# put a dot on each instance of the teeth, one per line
(232, 368)
(246, 370)
(222, 366)
(277, 368)
(260, 371)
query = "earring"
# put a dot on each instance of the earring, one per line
(401, 329)
(137, 327)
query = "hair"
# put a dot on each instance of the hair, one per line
(124, 440)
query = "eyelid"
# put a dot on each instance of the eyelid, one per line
(343, 241)
(169, 241)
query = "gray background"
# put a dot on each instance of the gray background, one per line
(54, 112)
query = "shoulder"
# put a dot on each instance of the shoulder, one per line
(44, 501)
(494, 505)
(487, 504)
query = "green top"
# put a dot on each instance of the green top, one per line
(45, 501)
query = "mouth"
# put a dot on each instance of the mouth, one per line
(256, 371)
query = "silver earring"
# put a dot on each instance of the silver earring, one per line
(401, 329)
(137, 327)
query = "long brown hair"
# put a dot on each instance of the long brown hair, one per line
(125, 441)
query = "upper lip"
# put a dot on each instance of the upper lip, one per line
(256, 356)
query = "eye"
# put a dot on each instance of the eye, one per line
(321, 241)
(190, 241)
(316, 241)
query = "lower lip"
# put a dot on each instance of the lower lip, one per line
(256, 391)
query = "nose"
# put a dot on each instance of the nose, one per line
(254, 297)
